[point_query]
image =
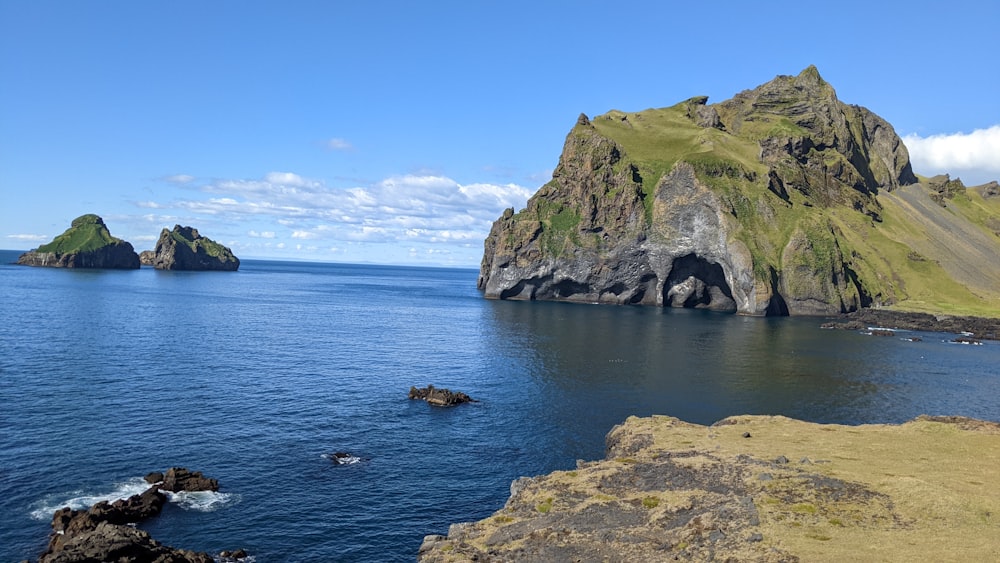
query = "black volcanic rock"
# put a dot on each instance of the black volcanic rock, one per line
(439, 397)
(184, 248)
(105, 531)
(86, 244)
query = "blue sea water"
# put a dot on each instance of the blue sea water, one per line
(251, 377)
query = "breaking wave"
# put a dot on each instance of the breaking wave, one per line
(199, 501)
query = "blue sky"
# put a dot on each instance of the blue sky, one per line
(396, 132)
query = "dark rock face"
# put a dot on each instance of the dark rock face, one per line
(612, 228)
(440, 397)
(180, 479)
(104, 531)
(184, 248)
(86, 244)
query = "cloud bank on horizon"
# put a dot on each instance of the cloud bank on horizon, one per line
(428, 216)
(974, 157)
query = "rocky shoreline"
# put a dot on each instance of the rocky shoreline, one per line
(980, 327)
(754, 488)
(106, 531)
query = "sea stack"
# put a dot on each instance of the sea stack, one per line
(780, 201)
(183, 248)
(86, 244)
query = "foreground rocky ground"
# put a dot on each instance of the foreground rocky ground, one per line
(755, 488)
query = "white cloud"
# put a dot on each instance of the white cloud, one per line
(29, 238)
(288, 179)
(421, 210)
(338, 144)
(180, 179)
(973, 156)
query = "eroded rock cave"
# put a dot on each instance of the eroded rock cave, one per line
(694, 282)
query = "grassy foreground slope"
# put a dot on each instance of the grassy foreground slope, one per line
(755, 488)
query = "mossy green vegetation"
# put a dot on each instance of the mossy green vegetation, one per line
(86, 233)
(210, 247)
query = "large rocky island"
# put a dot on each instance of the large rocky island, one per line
(780, 201)
(184, 248)
(87, 243)
(754, 488)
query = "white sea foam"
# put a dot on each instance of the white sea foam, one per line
(342, 459)
(202, 501)
(199, 501)
(79, 500)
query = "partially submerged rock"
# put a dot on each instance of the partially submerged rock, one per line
(755, 488)
(86, 244)
(183, 248)
(440, 397)
(980, 327)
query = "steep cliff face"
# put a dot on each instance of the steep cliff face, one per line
(86, 244)
(183, 248)
(761, 205)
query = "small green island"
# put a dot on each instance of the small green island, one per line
(88, 244)
(183, 248)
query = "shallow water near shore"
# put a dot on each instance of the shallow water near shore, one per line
(253, 377)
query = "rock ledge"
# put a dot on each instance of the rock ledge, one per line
(754, 488)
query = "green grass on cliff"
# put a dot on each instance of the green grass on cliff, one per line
(881, 254)
(86, 233)
(209, 246)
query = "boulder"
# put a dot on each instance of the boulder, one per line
(180, 479)
(86, 244)
(184, 248)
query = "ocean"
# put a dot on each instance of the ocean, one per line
(256, 377)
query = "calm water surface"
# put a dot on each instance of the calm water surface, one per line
(252, 376)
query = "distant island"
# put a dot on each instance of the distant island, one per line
(183, 248)
(88, 244)
(780, 201)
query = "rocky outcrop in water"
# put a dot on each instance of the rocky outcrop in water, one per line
(106, 532)
(763, 204)
(754, 488)
(86, 244)
(439, 397)
(183, 248)
(979, 327)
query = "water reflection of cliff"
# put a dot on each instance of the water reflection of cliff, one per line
(596, 365)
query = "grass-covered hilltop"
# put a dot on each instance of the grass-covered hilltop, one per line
(782, 200)
(87, 243)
